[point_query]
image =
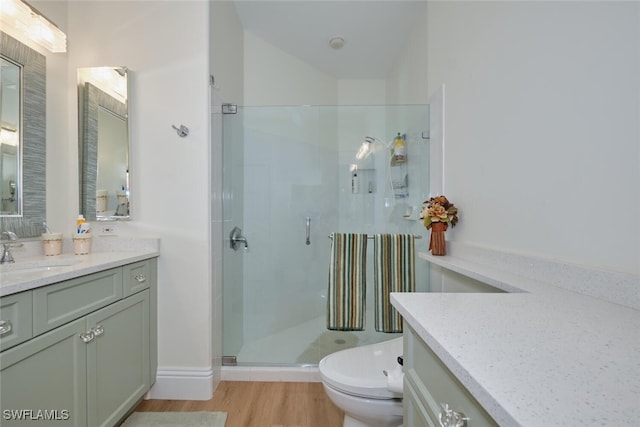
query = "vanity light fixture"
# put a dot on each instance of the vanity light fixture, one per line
(23, 22)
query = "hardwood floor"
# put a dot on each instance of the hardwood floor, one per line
(261, 404)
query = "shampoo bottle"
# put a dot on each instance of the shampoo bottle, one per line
(399, 149)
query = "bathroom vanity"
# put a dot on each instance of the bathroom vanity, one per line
(77, 338)
(545, 352)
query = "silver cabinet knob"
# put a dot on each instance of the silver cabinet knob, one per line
(140, 278)
(450, 418)
(5, 327)
(87, 337)
(98, 330)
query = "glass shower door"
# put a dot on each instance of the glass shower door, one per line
(287, 181)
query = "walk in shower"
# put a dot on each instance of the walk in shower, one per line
(292, 176)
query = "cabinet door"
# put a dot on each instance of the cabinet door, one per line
(433, 385)
(117, 359)
(414, 413)
(43, 381)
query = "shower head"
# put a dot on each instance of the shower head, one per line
(373, 139)
(366, 147)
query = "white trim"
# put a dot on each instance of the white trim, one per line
(179, 383)
(268, 373)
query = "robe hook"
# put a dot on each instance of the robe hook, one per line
(182, 131)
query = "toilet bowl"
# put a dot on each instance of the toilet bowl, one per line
(355, 381)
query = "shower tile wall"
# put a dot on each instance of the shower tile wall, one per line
(290, 172)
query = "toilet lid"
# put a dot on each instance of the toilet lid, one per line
(359, 372)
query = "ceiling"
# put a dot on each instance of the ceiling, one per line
(374, 31)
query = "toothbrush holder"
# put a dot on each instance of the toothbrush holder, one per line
(82, 244)
(52, 243)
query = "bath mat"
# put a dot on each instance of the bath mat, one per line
(176, 419)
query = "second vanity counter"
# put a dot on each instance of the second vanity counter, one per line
(32, 271)
(542, 355)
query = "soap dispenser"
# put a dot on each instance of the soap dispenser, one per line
(355, 183)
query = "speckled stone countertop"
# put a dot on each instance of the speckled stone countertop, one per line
(107, 252)
(542, 355)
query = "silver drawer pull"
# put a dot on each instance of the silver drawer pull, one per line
(98, 330)
(87, 337)
(141, 278)
(5, 327)
(450, 418)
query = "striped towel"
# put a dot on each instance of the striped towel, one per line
(346, 301)
(394, 271)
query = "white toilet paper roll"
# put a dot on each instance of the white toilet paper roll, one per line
(395, 379)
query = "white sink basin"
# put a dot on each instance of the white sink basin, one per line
(34, 266)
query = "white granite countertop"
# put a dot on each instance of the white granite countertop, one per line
(541, 356)
(32, 269)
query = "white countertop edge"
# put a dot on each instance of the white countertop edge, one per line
(85, 264)
(486, 400)
(515, 272)
(491, 276)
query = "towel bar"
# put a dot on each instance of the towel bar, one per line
(369, 236)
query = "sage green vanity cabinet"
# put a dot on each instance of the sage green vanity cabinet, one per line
(46, 373)
(15, 320)
(117, 359)
(57, 304)
(432, 392)
(90, 358)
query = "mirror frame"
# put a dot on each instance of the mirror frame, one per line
(91, 99)
(33, 139)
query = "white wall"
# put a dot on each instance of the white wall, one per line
(165, 45)
(542, 112)
(407, 80)
(227, 51)
(273, 77)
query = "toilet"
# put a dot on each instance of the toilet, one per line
(355, 381)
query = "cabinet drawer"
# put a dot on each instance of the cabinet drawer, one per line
(414, 413)
(63, 302)
(137, 277)
(15, 319)
(436, 385)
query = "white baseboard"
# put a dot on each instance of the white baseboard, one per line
(267, 373)
(183, 384)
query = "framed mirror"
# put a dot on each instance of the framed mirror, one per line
(104, 147)
(22, 138)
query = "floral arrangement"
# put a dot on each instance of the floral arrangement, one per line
(439, 209)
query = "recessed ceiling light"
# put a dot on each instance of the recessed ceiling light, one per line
(336, 42)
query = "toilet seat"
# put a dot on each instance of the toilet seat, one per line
(359, 371)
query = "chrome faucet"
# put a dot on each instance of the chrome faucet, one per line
(6, 256)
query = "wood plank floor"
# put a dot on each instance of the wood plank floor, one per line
(262, 404)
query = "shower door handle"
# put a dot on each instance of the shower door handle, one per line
(308, 241)
(236, 237)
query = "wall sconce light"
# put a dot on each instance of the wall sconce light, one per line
(26, 24)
